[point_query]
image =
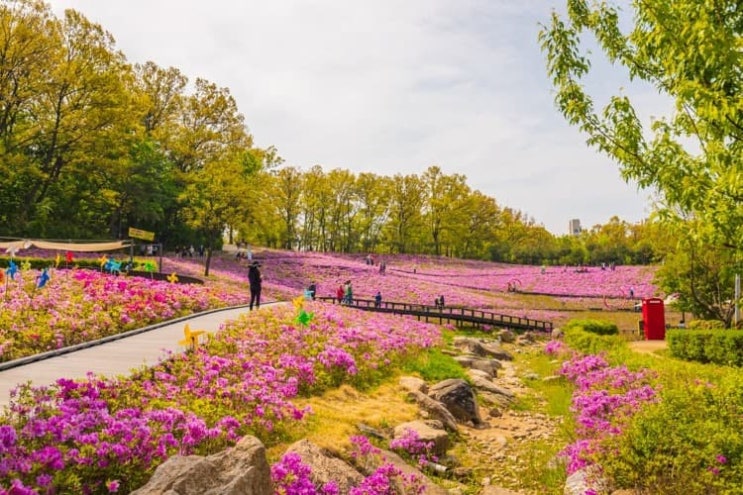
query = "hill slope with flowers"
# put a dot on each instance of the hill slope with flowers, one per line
(83, 305)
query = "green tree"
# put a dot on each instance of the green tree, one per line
(403, 230)
(688, 51)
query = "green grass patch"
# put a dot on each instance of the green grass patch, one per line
(433, 366)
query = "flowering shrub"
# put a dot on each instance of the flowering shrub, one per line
(604, 401)
(100, 434)
(412, 446)
(77, 306)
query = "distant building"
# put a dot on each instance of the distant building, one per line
(574, 227)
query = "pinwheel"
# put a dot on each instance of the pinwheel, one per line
(173, 278)
(25, 266)
(103, 260)
(11, 270)
(113, 266)
(68, 257)
(57, 260)
(42, 279)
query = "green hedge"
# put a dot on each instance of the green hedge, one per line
(599, 327)
(590, 342)
(719, 346)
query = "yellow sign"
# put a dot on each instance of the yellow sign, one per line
(141, 234)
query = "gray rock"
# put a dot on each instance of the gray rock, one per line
(584, 480)
(241, 470)
(506, 336)
(429, 487)
(325, 466)
(489, 366)
(426, 433)
(436, 409)
(459, 399)
(482, 348)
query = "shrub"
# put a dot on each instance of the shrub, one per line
(719, 346)
(598, 327)
(706, 324)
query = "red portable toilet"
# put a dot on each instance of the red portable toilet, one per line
(654, 318)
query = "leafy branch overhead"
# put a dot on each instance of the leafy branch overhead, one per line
(687, 50)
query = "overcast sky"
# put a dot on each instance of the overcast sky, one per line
(392, 86)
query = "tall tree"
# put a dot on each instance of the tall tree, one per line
(688, 51)
(405, 221)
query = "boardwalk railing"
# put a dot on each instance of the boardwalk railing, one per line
(448, 314)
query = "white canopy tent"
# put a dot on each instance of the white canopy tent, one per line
(86, 247)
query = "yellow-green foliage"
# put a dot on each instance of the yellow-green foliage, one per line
(589, 342)
(599, 327)
(689, 442)
(707, 346)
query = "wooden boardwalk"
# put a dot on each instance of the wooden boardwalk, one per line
(448, 314)
(113, 356)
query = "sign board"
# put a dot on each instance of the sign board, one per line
(141, 234)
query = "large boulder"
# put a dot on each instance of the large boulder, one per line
(459, 398)
(241, 470)
(325, 466)
(435, 409)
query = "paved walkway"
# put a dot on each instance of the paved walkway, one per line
(116, 356)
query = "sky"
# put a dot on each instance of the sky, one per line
(394, 86)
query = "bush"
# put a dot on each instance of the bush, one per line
(719, 346)
(598, 327)
(706, 324)
(689, 442)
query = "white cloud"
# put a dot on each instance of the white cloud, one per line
(389, 86)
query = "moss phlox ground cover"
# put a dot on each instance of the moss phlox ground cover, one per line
(102, 435)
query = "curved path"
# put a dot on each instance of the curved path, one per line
(112, 356)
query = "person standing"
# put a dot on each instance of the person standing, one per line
(378, 299)
(256, 280)
(348, 292)
(339, 294)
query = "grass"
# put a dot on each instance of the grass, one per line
(337, 413)
(434, 366)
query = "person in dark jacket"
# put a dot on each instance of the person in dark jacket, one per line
(255, 279)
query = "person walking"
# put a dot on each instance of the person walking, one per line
(348, 292)
(256, 280)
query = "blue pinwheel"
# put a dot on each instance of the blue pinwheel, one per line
(42, 279)
(112, 266)
(12, 269)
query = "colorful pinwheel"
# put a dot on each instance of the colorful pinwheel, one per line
(12, 269)
(43, 278)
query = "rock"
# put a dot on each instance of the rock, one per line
(426, 434)
(489, 366)
(240, 470)
(506, 336)
(371, 432)
(458, 398)
(557, 333)
(429, 487)
(325, 466)
(497, 490)
(482, 348)
(435, 409)
(413, 384)
(488, 386)
(584, 480)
